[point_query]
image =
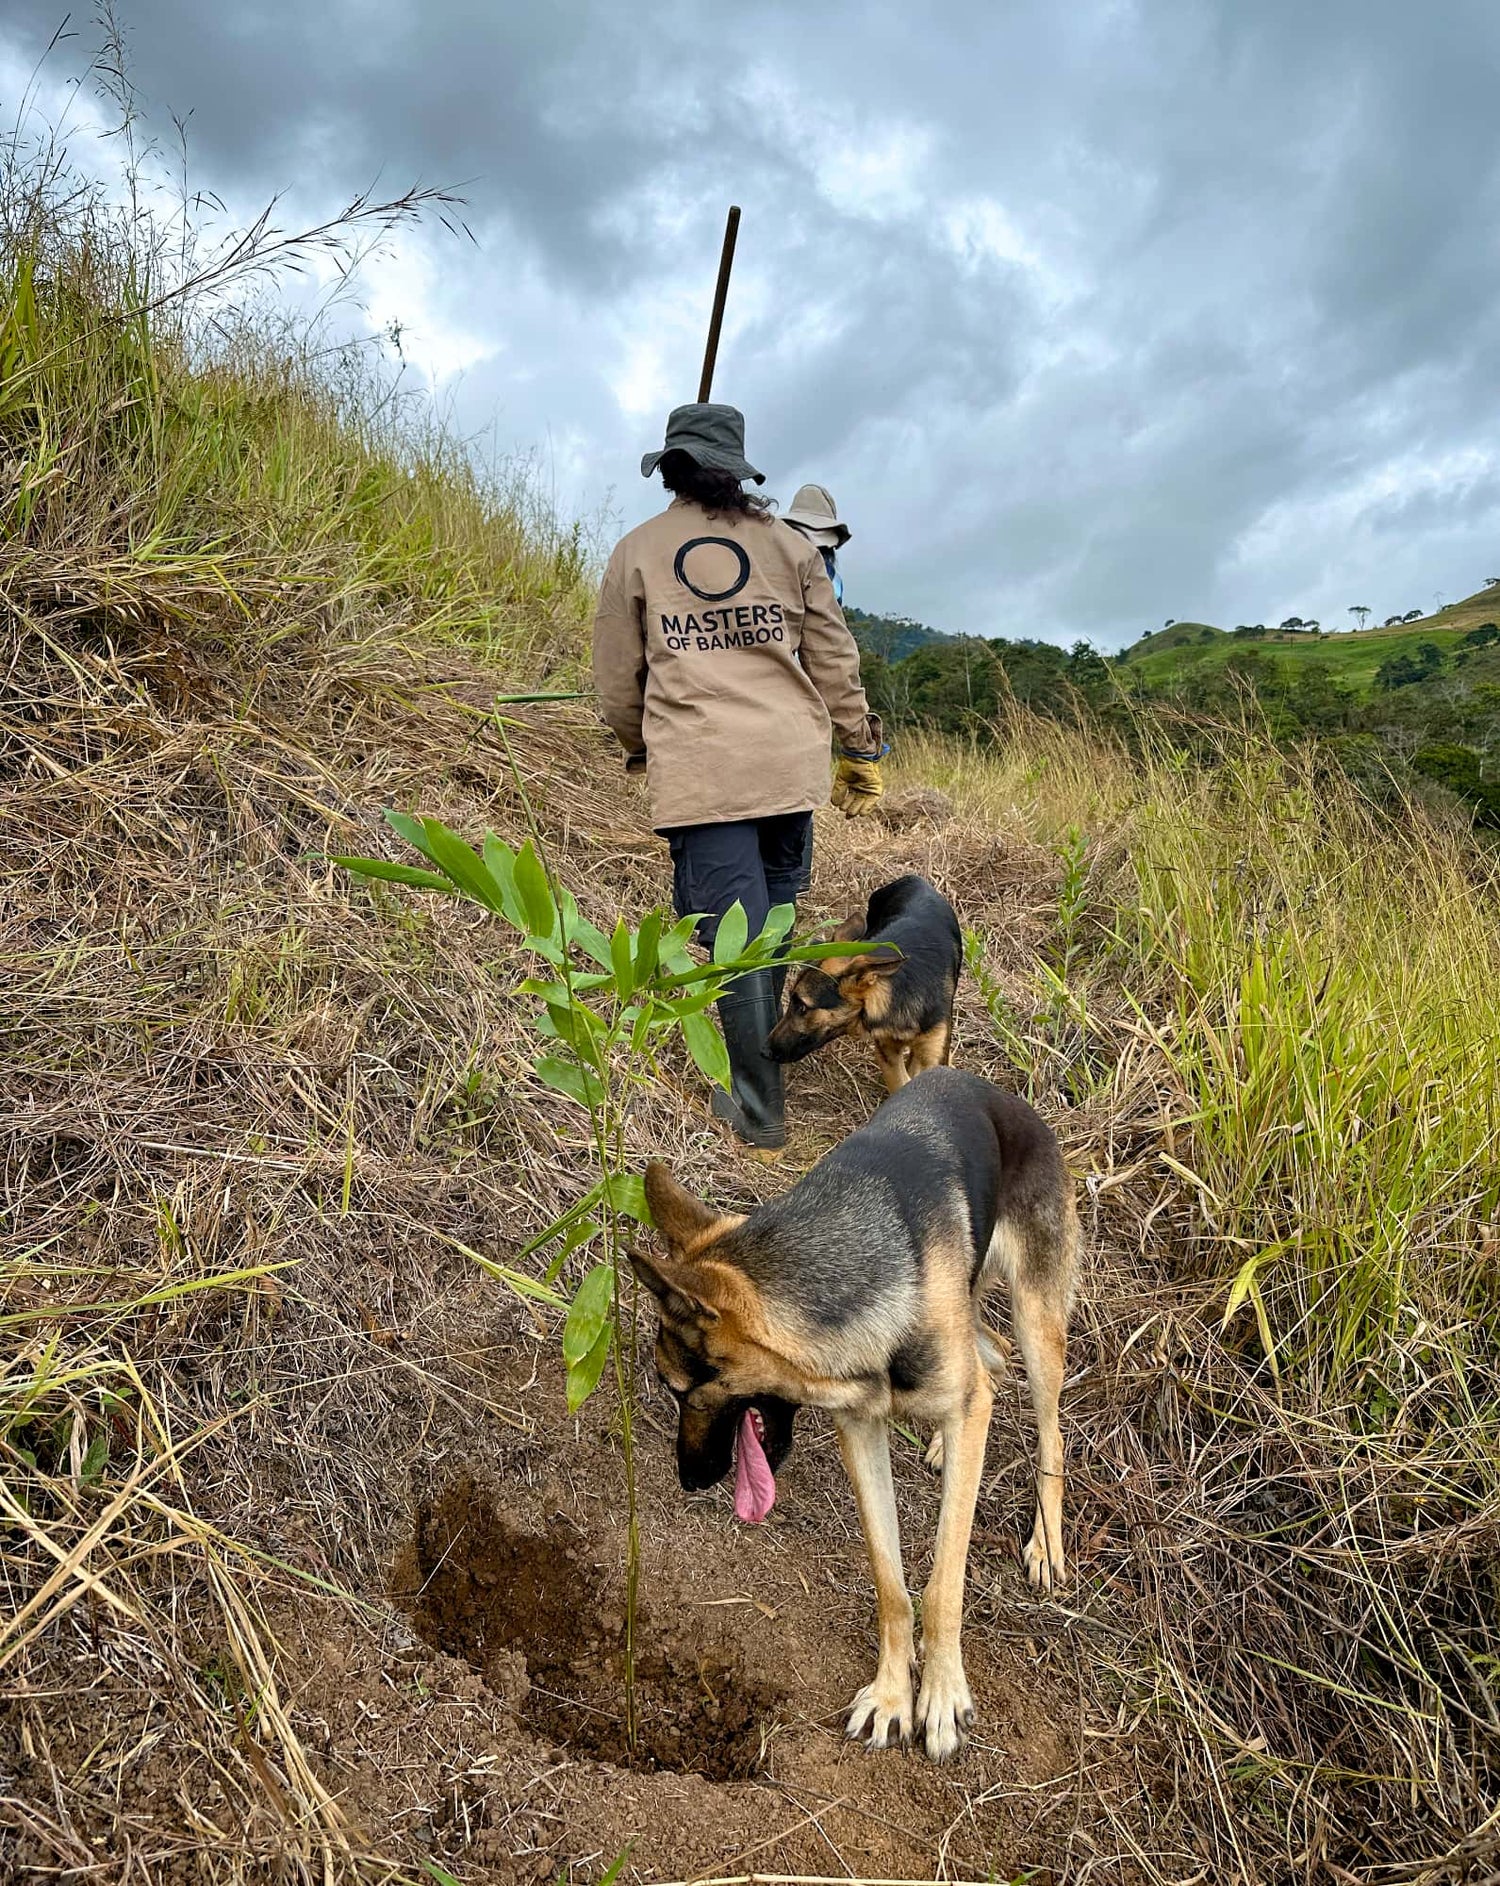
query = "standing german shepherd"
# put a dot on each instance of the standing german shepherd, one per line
(859, 1292)
(901, 997)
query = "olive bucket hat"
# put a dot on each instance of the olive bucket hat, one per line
(815, 514)
(712, 436)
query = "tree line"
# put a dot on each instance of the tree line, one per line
(1431, 717)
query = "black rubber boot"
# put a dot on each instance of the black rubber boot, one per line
(756, 1105)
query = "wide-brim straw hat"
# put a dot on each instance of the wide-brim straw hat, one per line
(712, 436)
(815, 514)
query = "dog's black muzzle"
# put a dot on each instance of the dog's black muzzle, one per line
(705, 1448)
(797, 1048)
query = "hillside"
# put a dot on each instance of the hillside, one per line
(1409, 712)
(1351, 657)
(310, 1573)
(890, 638)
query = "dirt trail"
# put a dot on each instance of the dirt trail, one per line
(507, 1572)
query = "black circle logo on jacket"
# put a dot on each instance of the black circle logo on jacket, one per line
(737, 551)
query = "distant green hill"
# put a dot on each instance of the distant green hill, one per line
(1180, 635)
(1403, 708)
(892, 638)
(1162, 662)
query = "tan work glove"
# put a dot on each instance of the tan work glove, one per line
(857, 787)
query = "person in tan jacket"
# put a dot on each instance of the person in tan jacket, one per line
(725, 667)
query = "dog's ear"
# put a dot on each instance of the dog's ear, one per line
(674, 1288)
(851, 929)
(677, 1215)
(865, 971)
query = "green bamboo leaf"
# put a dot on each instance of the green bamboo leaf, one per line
(706, 1046)
(395, 873)
(516, 1280)
(678, 937)
(729, 940)
(464, 865)
(583, 1031)
(623, 958)
(523, 1285)
(95, 1459)
(412, 830)
(627, 1193)
(536, 893)
(439, 1873)
(580, 1235)
(500, 862)
(567, 1077)
(647, 941)
(546, 1023)
(588, 936)
(584, 1379)
(778, 924)
(587, 1313)
(820, 952)
(694, 1004)
(569, 1218)
(799, 953)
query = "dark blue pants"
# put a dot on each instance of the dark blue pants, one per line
(760, 862)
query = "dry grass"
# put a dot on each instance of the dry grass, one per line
(224, 1058)
(1274, 1049)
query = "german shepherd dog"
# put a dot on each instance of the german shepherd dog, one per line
(900, 996)
(859, 1291)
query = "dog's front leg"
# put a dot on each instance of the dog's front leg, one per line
(945, 1708)
(884, 1706)
(893, 1069)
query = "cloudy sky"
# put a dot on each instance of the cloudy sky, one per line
(1090, 315)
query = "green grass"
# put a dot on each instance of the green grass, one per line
(1350, 658)
(172, 445)
(1322, 985)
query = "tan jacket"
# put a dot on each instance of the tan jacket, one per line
(720, 651)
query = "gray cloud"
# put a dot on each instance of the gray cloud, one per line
(1089, 315)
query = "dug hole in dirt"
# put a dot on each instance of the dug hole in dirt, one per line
(478, 1587)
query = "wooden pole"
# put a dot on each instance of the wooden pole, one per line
(716, 319)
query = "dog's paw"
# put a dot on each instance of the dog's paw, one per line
(945, 1709)
(881, 1713)
(1046, 1567)
(933, 1458)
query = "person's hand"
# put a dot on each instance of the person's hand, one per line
(857, 786)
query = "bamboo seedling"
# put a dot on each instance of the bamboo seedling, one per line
(609, 1004)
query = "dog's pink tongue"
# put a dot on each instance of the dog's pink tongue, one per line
(754, 1483)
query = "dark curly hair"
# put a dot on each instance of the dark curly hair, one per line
(717, 491)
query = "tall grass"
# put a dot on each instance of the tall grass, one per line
(1323, 983)
(173, 444)
(207, 508)
(1273, 1039)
